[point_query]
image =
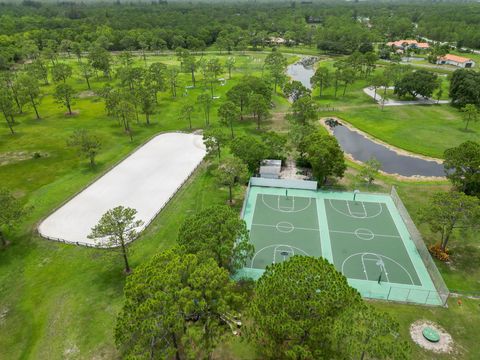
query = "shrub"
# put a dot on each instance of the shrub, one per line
(438, 253)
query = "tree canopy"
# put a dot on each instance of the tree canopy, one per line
(250, 149)
(175, 306)
(417, 83)
(117, 228)
(11, 213)
(462, 167)
(465, 88)
(230, 172)
(88, 145)
(217, 232)
(325, 156)
(303, 308)
(448, 211)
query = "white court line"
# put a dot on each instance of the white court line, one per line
(285, 211)
(364, 210)
(354, 213)
(379, 262)
(381, 257)
(275, 245)
(349, 232)
(353, 216)
(285, 227)
(289, 209)
(295, 227)
(364, 270)
(292, 252)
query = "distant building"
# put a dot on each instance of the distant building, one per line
(409, 44)
(313, 20)
(277, 40)
(456, 60)
(270, 169)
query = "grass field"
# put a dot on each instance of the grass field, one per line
(424, 129)
(59, 301)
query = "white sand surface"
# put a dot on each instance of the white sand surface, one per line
(145, 181)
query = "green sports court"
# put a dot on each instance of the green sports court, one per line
(366, 238)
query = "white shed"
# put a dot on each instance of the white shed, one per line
(270, 169)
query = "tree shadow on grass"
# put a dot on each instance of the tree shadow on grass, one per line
(467, 131)
(109, 273)
(466, 258)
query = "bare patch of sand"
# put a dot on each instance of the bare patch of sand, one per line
(3, 314)
(86, 94)
(12, 157)
(71, 352)
(291, 171)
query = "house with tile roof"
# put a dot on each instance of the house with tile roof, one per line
(410, 44)
(456, 60)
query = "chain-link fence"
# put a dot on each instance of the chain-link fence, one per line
(415, 236)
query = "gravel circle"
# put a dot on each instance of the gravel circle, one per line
(445, 345)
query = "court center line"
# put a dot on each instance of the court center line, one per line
(295, 227)
(349, 232)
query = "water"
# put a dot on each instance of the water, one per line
(362, 148)
(301, 73)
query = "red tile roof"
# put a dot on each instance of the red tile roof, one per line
(451, 57)
(400, 43)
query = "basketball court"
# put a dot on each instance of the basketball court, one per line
(284, 226)
(364, 238)
(366, 244)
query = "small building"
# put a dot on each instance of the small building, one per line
(270, 169)
(456, 60)
(314, 20)
(277, 40)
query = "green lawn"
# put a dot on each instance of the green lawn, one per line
(459, 320)
(423, 129)
(57, 299)
(60, 301)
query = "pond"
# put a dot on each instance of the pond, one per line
(362, 148)
(301, 72)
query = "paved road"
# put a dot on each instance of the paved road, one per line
(389, 102)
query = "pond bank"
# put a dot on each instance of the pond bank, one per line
(360, 146)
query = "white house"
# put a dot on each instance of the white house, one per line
(455, 60)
